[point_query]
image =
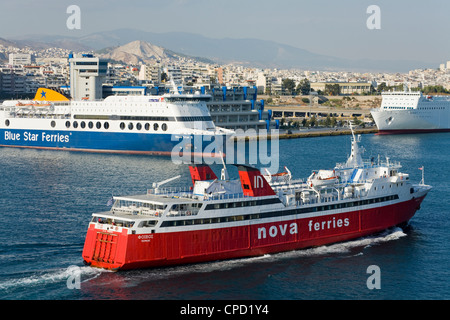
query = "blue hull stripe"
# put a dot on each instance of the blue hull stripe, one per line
(101, 141)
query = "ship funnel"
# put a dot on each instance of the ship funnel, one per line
(253, 183)
(201, 172)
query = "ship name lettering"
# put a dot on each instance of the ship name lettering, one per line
(28, 136)
(12, 136)
(328, 224)
(55, 137)
(273, 230)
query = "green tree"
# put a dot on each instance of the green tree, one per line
(304, 122)
(328, 121)
(304, 87)
(289, 85)
(333, 89)
(333, 122)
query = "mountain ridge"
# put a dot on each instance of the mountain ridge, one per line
(246, 51)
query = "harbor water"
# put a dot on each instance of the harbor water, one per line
(47, 198)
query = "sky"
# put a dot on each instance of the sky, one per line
(409, 29)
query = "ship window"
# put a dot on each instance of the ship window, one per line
(98, 125)
(147, 126)
(130, 126)
(106, 125)
(155, 126)
(7, 122)
(53, 124)
(83, 124)
(91, 125)
(147, 224)
(75, 124)
(122, 125)
(164, 127)
(139, 126)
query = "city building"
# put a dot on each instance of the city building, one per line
(150, 73)
(20, 59)
(344, 87)
(87, 74)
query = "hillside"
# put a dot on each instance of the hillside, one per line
(138, 51)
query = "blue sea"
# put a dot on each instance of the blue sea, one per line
(47, 198)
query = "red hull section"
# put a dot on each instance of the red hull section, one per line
(119, 250)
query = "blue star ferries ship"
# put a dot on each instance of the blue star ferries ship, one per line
(158, 125)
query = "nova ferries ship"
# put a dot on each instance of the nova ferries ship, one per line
(412, 112)
(218, 218)
(160, 125)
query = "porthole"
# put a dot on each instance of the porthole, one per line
(67, 124)
(91, 125)
(147, 126)
(98, 125)
(130, 126)
(138, 126)
(155, 126)
(83, 124)
(122, 125)
(53, 124)
(75, 124)
(7, 122)
(164, 127)
(106, 125)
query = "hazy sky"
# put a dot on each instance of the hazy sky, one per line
(410, 29)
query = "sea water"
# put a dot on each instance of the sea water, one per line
(47, 198)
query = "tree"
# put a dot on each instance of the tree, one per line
(328, 121)
(304, 122)
(333, 122)
(304, 87)
(381, 87)
(289, 85)
(333, 89)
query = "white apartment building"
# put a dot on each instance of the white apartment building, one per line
(20, 59)
(87, 74)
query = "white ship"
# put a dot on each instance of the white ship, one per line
(158, 125)
(412, 112)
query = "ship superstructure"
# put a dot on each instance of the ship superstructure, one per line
(218, 218)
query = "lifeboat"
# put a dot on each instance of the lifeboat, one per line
(322, 179)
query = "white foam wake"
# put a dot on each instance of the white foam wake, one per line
(53, 276)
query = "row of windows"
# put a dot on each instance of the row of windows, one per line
(115, 117)
(240, 204)
(141, 118)
(277, 213)
(98, 125)
(146, 126)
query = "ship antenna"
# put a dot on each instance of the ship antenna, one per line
(224, 172)
(423, 175)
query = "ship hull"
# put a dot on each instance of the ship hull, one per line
(416, 120)
(108, 142)
(410, 131)
(121, 251)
